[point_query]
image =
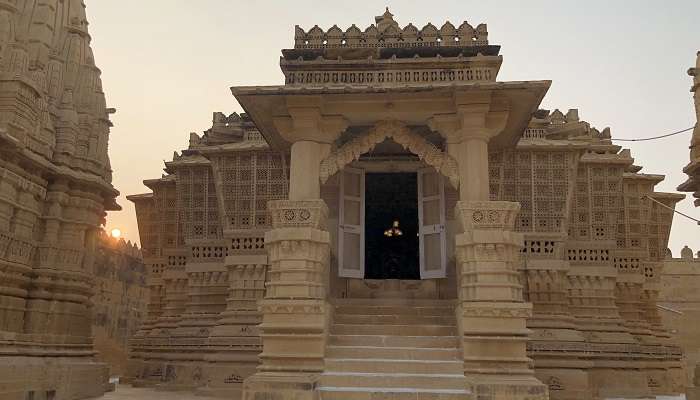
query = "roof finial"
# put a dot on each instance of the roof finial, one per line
(385, 20)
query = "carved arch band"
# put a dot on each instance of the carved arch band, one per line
(401, 134)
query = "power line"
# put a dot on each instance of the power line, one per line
(673, 209)
(655, 137)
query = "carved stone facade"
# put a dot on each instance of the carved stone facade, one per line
(55, 186)
(541, 243)
(119, 303)
(693, 169)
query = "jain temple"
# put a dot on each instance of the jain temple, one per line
(392, 222)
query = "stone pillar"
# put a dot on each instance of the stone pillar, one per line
(295, 311)
(491, 311)
(236, 338)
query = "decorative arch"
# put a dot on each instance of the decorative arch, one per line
(401, 134)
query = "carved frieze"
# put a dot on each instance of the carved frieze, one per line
(298, 213)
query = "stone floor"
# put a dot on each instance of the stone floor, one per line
(126, 392)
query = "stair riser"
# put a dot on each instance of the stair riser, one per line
(395, 367)
(393, 354)
(396, 319)
(420, 382)
(395, 310)
(391, 396)
(398, 330)
(394, 341)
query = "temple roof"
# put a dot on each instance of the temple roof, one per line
(369, 103)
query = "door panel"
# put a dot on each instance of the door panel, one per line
(351, 224)
(431, 224)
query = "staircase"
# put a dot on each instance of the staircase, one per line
(393, 349)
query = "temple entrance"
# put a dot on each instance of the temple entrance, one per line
(391, 226)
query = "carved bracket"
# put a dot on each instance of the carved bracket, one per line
(401, 134)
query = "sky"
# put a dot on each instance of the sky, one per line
(167, 65)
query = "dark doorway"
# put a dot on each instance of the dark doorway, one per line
(391, 252)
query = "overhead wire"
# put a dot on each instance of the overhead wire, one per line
(655, 137)
(673, 209)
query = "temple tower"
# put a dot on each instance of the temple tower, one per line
(55, 186)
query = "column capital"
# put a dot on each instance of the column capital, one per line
(308, 124)
(469, 122)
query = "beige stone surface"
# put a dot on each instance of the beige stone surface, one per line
(680, 301)
(693, 168)
(541, 262)
(127, 392)
(119, 302)
(55, 187)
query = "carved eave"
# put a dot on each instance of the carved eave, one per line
(551, 145)
(154, 183)
(137, 198)
(187, 161)
(49, 169)
(693, 182)
(672, 197)
(412, 104)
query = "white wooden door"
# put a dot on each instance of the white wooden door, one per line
(431, 224)
(351, 223)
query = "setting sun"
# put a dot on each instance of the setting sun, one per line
(116, 233)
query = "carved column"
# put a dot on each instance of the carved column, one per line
(236, 338)
(294, 311)
(491, 311)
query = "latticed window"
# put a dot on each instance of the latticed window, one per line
(165, 203)
(249, 180)
(539, 180)
(198, 202)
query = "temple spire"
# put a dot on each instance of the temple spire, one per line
(385, 20)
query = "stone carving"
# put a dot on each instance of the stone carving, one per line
(55, 187)
(559, 260)
(402, 135)
(693, 168)
(387, 33)
(286, 213)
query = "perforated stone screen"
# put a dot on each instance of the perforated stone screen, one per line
(248, 180)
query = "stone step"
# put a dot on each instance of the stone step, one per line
(393, 380)
(409, 393)
(394, 341)
(397, 330)
(394, 319)
(394, 353)
(382, 309)
(403, 302)
(397, 366)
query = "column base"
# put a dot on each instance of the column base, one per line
(507, 387)
(281, 386)
(692, 393)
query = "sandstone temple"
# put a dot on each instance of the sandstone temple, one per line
(55, 186)
(393, 222)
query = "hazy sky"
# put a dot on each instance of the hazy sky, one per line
(168, 64)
